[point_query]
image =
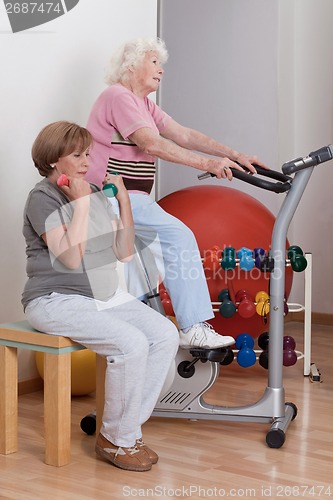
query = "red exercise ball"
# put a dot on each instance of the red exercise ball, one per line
(222, 216)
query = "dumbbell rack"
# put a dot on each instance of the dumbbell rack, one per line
(309, 369)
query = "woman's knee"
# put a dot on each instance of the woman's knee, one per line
(171, 336)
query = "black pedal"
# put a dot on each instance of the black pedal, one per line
(214, 355)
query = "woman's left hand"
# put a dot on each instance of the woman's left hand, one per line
(117, 180)
(249, 162)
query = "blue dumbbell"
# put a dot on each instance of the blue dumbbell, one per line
(246, 356)
(259, 256)
(246, 260)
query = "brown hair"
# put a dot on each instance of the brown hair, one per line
(56, 140)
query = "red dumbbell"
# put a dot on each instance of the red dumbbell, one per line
(212, 258)
(245, 304)
(167, 306)
(166, 302)
(63, 181)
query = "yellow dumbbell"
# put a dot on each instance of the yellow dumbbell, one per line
(262, 303)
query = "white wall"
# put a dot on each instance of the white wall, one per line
(258, 76)
(222, 79)
(51, 72)
(306, 112)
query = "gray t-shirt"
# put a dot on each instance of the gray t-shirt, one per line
(46, 208)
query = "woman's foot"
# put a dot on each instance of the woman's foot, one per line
(133, 458)
(203, 335)
(153, 457)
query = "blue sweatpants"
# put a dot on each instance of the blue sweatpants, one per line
(177, 258)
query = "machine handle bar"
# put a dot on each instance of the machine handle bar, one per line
(314, 158)
(283, 184)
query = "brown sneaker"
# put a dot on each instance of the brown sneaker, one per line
(153, 457)
(125, 458)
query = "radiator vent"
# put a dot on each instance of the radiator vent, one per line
(175, 398)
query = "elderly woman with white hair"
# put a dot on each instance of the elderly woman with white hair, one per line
(130, 132)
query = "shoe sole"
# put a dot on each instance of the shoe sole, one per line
(106, 456)
(206, 346)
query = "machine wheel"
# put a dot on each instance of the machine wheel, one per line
(88, 424)
(275, 438)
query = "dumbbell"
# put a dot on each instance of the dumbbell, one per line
(227, 308)
(262, 261)
(211, 260)
(167, 306)
(63, 181)
(110, 190)
(285, 308)
(262, 301)
(228, 258)
(297, 260)
(245, 304)
(246, 356)
(267, 265)
(259, 255)
(246, 260)
(263, 342)
(228, 358)
(166, 302)
(289, 354)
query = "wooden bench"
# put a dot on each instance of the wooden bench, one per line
(57, 389)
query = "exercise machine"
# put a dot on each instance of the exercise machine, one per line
(196, 370)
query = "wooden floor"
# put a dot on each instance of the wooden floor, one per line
(198, 459)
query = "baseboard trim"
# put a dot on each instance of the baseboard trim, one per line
(28, 386)
(316, 318)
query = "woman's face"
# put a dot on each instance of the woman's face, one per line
(75, 164)
(148, 75)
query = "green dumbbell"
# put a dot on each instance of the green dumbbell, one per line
(228, 258)
(297, 260)
(227, 308)
(110, 190)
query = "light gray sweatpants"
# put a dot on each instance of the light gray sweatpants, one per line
(139, 344)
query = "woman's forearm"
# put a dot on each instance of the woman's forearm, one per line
(124, 240)
(68, 242)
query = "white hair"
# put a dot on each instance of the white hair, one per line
(131, 54)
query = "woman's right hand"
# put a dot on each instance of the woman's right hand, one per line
(75, 188)
(221, 167)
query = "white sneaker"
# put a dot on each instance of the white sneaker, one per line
(203, 335)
